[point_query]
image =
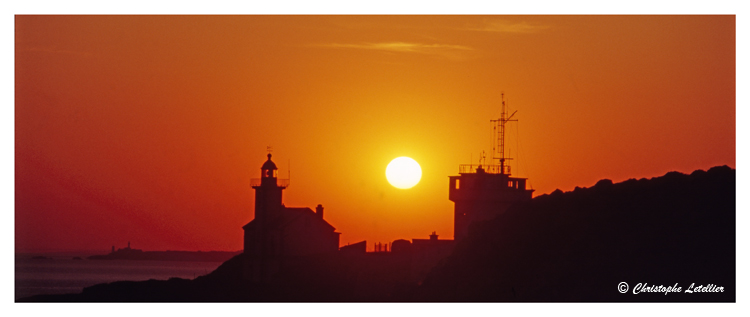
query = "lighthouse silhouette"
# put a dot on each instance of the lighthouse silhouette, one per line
(279, 234)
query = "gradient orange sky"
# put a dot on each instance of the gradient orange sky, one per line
(149, 128)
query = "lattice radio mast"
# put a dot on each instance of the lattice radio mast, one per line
(504, 118)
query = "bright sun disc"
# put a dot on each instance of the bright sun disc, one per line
(403, 172)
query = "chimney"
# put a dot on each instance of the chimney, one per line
(433, 236)
(319, 211)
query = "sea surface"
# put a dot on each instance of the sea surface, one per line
(61, 274)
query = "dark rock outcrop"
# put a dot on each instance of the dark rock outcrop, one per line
(579, 245)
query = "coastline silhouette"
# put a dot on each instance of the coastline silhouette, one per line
(129, 253)
(559, 247)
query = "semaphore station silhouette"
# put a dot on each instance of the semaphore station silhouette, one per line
(483, 192)
(279, 236)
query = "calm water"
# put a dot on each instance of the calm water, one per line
(62, 274)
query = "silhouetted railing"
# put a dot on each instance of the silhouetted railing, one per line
(382, 247)
(279, 182)
(489, 169)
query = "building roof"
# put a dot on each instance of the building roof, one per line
(420, 242)
(287, 216)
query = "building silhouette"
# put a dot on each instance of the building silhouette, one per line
(279, 234)
(483, 193)
(426, 253)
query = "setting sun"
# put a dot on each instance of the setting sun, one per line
(403, 172)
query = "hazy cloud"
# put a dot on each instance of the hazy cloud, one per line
(444, 50)
(504, 26)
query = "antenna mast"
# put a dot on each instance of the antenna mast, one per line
(504, 118)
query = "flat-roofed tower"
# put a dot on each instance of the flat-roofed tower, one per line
(484, 192)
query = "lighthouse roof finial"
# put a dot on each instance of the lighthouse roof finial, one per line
(269, 165)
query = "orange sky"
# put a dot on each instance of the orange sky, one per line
(149, 128)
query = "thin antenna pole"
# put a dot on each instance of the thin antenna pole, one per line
(509, 162)
(502, 134)
(518, 161)
(492, 140)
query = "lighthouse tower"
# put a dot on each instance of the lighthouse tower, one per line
(259, 238)
(268, 191)
(482, 192)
